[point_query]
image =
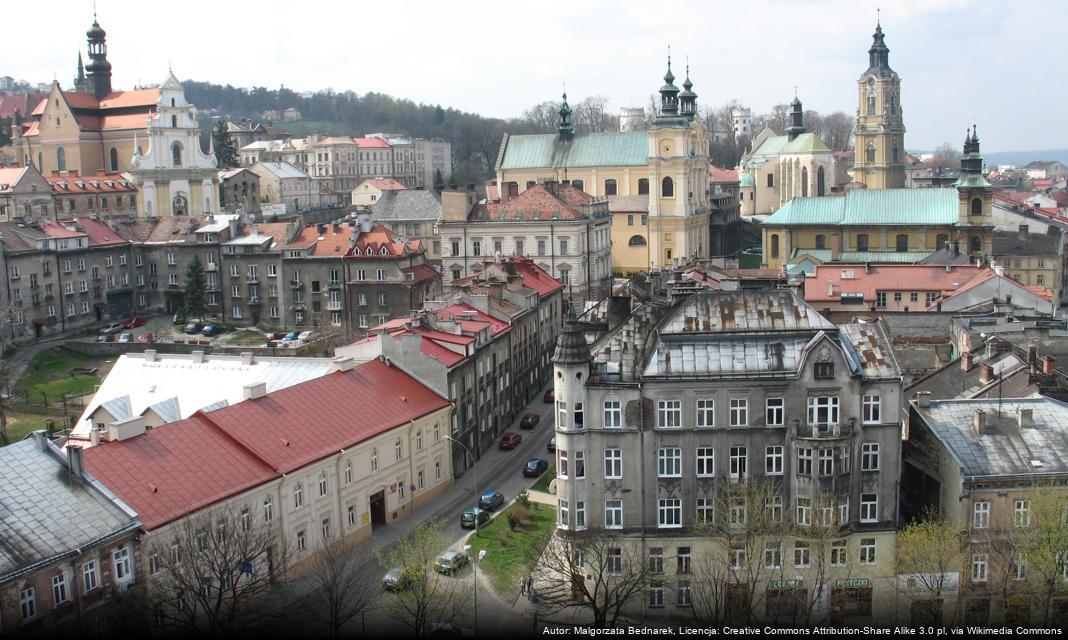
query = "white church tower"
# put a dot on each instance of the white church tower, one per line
(174, 176)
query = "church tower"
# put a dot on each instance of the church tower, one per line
(880, 132)
(975, 224)
(571, 371)
(99, 69)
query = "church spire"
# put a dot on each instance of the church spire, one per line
(99, 69)
(879, 53)
(669, 93)
(567, 130)
(688, 99)
(797, 118)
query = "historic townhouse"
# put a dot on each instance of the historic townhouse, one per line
(664, 425)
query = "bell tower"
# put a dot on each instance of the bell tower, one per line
(975, 224)
(879, 160)
(99, 69)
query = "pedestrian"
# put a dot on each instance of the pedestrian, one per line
(523, 586)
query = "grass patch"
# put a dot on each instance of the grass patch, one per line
(246, 338)
(20, 425)
(47, 378)
(302, 128)
(511, 554)
(543, 482)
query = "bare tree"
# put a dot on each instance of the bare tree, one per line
(1043, 547)
(838, 130)
(424, 597)
(543, 117)
(340, 593)
(592, 570)
(591, 114)
(928, 555)
(947, 155)
(214, 574)
(779, 118)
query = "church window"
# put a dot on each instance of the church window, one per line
(174, 122)
(902, 242)
(894, 154)
(636, 241)
(643, 186)
(821, 241)
(667, 188)
(610, 187)
(771, 180)
(61, 159)
(869, 152)
(179, 206)
(578, 184)
(976, 245)
(172, 102)
(871, 103)
(176, 153)
(977, 207)
(892, 106)
(821, 182)
(941, 241)
(774, 245)
(113, 159)
(804, 182)
(862, 242)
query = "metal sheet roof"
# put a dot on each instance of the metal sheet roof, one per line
(872, 349)
(727, 356)
(744, 311)
(860, 257)
(878, 207)
(606, 149)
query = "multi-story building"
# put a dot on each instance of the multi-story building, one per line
(433, 163)
(369, 191)
(1032, 259)
(376, 157)
(239, 189)
(333, 166)
(724, 211)
(285, 183)
(403, 154)
(104, 195)
(566, 231)
(71, 545)
(24, 193)
(415, 213)
(665, 418)
(245, 132)
(885, 287)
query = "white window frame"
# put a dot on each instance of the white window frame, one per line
(981, 514)
(869, 509)
(613, 514)
(613, 414)
(706, 413)
(773, 460)
(739, 412)
(613, 464)
(669, 513)
(872, 409)
(869, 456)
(980, 564)
(706, 462)
(669, 414)
(868, 550)
(828, 404)
(669, 462)
(739, 462)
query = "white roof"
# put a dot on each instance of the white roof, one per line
(250, 239)
(222, 221)
(170, 378)
(283, 170)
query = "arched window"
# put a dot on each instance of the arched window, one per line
(643, 186)
(179, 206)
(862, 242)
(902, 242)
(976, 245)
(667, 188)
(893, 154)
(892, 105)
(636, 241)
(774, 245)
(804, 182)
(977, 206)
(172, 102)
(821, 182)
(578, 184)
(61, 159)
(610, 187)
(113, 159)
(821, 241)
(871, 103)
(176, 153)
(174, 122)
(869, 152)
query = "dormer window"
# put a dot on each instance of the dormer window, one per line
(355, 251)
(383, 252)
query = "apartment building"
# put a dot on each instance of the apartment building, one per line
(415, 213)
(433, 163)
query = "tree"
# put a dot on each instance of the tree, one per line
(225, 151)
(590, 114)
(214, 574)
(1043, 547)
(593, 570)
(195, 287)
(425, 596)
(779, 118)
(543, 117)
(928, 555)
(838, 130)
(6, 373)
(946, 155)
(339, 592)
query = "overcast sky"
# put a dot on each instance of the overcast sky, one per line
(959, 60)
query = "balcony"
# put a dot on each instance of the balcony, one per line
(211, 266)
(252, 279)
(173, 285)
(296, 284)
(334, 284)
(254, 300)
(823, 431)
(333, 306)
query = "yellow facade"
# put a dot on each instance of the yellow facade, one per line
(630, 243)
(879, 143)
(882, 238)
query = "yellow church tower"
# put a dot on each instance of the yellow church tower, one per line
(880, 132)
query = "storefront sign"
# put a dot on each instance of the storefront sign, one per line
(853, 583)
(785, 584)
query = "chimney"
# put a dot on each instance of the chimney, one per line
(867, 267)
(993, 347)
(979, 422)
(1032, 356)
(923, 399)
(986, 373)
(1025, 418)
(198, 357)
(320, 228)
(255, 390)
(836, 246)
(150, 355)
(1049, 365)
(74, 460)
(966, 361)
(343, 363)
(246, 358)
(126, 429)
(337, 227)
(40, 438)
(1023, 232)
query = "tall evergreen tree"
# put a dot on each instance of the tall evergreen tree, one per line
(194, 289)
(225, 151)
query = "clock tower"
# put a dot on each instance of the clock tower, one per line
(880, 132)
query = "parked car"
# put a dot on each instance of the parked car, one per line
(212, 330)
(133, 322)
(467, 520)
(114, 327)
(451, 562)
(509, 440)
(551, 445)
(535, 467)
(193, 327)
(529, 421)
(307, 336)
(146, 338)
(490, 500)
(396, 579)
(126, 337)
(292, 336)
(548, 397)
(179, 318)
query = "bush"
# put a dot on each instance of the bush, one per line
(518, 516)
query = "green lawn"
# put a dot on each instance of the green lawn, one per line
(511, 554)
(246, 338)
(543, 482)
(48, 376)
(19, 425)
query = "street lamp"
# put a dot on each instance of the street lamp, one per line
(474, 568)
(474, 468)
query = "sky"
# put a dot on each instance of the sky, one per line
(960, 61)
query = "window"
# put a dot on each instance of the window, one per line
(669, 414)
(90, 580)
(977, 207)
(380, 275)
(28, 598)
(804, 461)
(176, 154)
(580, 515)
(268, 509)
(656, 595)
(902, 242)
(613, 514)
(59, 589)
(979, 567)
(322, 485)
(773, 556)
(706, 466)
(802, 555)
(771, 180)
(298, 496)
(437, 471)
(867, 551)
(669, 462)
(398, 451)
(871, 103)
(301, 544)
(838, 553)
(737, 558)
(352, 515)
(704, 511)
(324, 527)
(823, 410)
(739, 412)
(610, 187)
(636, 241)
(561, 409)
(348, 473)
(614, 564)
(804, 511)
(773, 508)
(738, 469)
(683, 594)
(374, 459)
(775, 245)
(613, 464)
(656, 560)
(821, 241)
(561, 467)
(613, 414)
(737, 512)
(774, 411)
(176, 554)
(869, 456)
(981, 514)
(578, 415)
(153, 564)
(823, 370)
(825, 460)
(862, 242)
(1021, 516)
(643, 186)
(872, 407)
(121, 561)
(773, 456)
(670, 513)
(667, 189)
(1018, 569)
(869, 507)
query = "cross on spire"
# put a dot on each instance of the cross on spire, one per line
(94, 10)
(878, 17)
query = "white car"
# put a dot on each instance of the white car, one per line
(114, 327)
(306, 336)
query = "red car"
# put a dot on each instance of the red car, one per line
(133, 322)
(510, 440)
(548, 397)
(529, 421)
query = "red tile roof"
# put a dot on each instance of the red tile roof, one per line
(421, 273)
(885, 277)
(477, 321)
(56, 230)
(715, 174)
(371, 143)
(537, 203)
(989, 274)
(333, 243)
(529, 273)
(100, 234)
(386, 184)
(101, 183)
(9, 104)
(370, 244)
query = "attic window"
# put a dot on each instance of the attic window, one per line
(81, 185)
(1036, 463)
(847, 274)
(355, 251)
(383, 252)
